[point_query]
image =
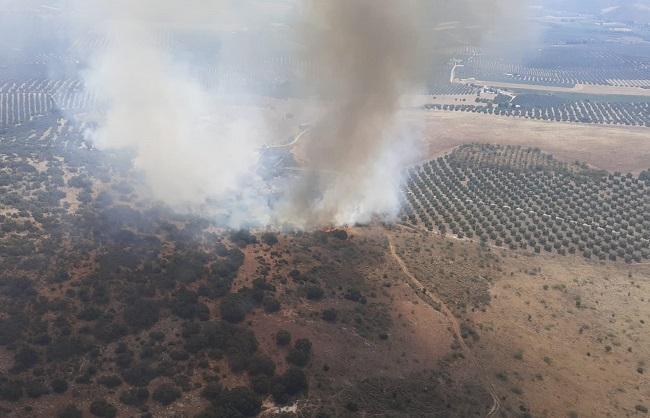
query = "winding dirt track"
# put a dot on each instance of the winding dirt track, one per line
(434, 301)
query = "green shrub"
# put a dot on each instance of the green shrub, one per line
(283, 338)
(314, 292)
(36, 389)
(269, 238)
(212, 392)
(142, 314)
(70, 411)
(103, 409)
(134, 397)
(242, 238)
(233, 308)
(294, 381)
(242, 400)
(261, 364)
(139, 375)
(59, 386)
(110, 381)
(300, 354)
(271, 304)
(166, 394)
(26, 358)
(11, 390)
(329, 315)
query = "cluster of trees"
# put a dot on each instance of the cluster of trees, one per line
(113, 271)
(508, 198)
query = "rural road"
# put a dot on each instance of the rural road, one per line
(295, 140)
(577, 89)
(428, 298)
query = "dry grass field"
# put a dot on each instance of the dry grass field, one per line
(555, 336)
(613, 148)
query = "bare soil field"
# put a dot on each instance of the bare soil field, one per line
(613, 148)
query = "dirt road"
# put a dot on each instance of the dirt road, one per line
(437, 303)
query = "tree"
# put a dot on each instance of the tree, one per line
(36, 389)
(233, 308)
(271, 304)
(261, 364)
(301, 353)
(294, 381)
(110, 381)
(243, 400)
(143, 313)
(59, 386)
(103, 409)
(11, 390)
(134, 397)
(166, 394)
(329, 315)
(314, 293)
(70, 411)
(269, 238)
(25, 358)
(283, 337)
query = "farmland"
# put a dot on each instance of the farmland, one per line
(524, 199)
(583, 111)
(555, 71)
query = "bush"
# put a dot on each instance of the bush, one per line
(269, 238)
(261, 364)
(261, 384)
(110, 382)
(234, 308)
(242, 238)
(271, 304)
(340, 234)
(166, 394)
(212, 392)
(185, 304)
(11, 390)
(243, 400)
(355, 296)
(59, 386)
(314, 293)
(35, 389)
(329, 315)
(283, 338)
(142, 314)
(70, 411)
(301, 353)
(134, 397)
(139, 375)
(103, 409)
(25, 358)
(294, 381)
(179, 355)
(90, 313)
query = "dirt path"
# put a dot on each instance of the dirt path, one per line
(437, 303)
(578, 88)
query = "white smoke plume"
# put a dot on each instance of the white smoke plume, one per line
(189, 147)
(192, 148)
(372, 52)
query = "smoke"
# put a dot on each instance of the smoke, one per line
(190, 146)
(194, 147)
(366, 51)
(371, 53)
